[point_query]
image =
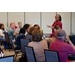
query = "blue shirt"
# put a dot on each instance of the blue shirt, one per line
(11, 32)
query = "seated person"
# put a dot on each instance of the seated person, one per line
(20, 36)
(63, 48)
(67, 40)
(20, 26)
(2, 30)
(52, 37)
(15, 26)
(2, 35)
(1, 52)
(11, 31)
(27, 27)
(37, 26)
(38, 45)
(55, 28)
(29, 35)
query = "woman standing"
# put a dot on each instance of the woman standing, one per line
(56, 22)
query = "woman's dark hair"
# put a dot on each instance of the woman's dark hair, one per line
(1, 26)
(22, 30)
(59, 17)
(37, 35)
(26, 26)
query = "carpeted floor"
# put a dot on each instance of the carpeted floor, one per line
(8, 52)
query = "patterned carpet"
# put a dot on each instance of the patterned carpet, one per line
(8, 52)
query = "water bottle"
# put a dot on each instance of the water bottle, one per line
(43, 36)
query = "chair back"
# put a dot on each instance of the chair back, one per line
(12, 44)
(72, 38)
(7, 59)
(7, 37)
(51, 56)
(24, 42)
(30, 54)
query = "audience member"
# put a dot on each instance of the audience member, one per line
(56, 27)
(27, 27)
(20, 36)
(63, 48)
(69, 41)
(52, 36)
(2, 30)
(37, 26)
(15, 25)
(38, 45)
(2, 35)
(29, 35)
(11, 31)
(30, 24)
(20, 26)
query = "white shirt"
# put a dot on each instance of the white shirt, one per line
(17, 30)
(1, 34)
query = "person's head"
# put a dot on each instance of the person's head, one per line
(60, 34)
(12, 25)
(56, 27)
(30, 24)
(22, 30)
(27, 27)
(58, 17)
(31, 30)
(37, 26)
(2, 26)
(19, 24)
(37, 35)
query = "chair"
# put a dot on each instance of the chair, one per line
(16, 51)
(51, 56)
(7, 40)
(7, 58)
(30, 54)
(24, 42)
(72, 38)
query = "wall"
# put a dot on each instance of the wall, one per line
(73, 23)
(41, 18)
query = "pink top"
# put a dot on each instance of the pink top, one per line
(63, 49)
(57, 23)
